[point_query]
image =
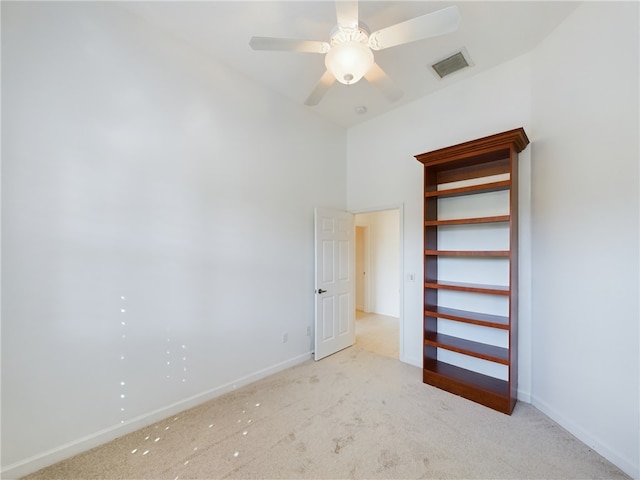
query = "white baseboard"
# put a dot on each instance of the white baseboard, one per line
(416, 362)
(524, 396)
(625, 464)
(42, 460)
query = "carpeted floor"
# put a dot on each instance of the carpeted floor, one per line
(355, 414)
(378, 333)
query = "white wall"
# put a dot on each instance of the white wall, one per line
(132, 167)
(384, 260)
(576, 96)
(585, 228)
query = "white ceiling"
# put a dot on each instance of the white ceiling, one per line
(491, 33)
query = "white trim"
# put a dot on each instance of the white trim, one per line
(366, 307)
(55, 455)
(625, 464)
(523, 396)
(367, 268)
(416, 362)
(401, 273)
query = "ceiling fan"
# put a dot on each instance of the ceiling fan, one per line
(349, 52)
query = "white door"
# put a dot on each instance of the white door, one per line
(335, 285)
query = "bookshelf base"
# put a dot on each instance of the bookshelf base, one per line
(488, 391)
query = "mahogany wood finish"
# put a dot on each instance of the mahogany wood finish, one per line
(485, 319)
(478, 160)
(485, 187)
(468, 287)
(468, 347)
(469, 253)
(466, 221)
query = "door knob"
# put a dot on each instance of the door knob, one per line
(321, 290)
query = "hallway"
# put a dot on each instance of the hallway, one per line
(377, 333)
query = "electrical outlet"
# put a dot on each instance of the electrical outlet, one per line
(285, 337)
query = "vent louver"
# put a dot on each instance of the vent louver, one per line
(451, 64)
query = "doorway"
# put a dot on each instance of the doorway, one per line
(378, 281)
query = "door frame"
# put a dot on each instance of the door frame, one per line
(367, 266)
(400, 208)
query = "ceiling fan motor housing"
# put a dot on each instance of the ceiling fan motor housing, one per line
(350, 56)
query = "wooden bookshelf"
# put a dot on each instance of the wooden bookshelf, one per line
(473, 166)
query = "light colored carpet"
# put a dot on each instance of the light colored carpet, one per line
(355, 414)
(378, 333)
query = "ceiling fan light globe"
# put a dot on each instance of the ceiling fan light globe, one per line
(349, 61)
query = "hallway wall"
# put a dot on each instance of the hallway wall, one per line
(384, 261)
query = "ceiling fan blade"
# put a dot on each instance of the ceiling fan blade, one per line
(347, 13)
(289, 45)
(377, 77)
(320, 89)
(429, 25)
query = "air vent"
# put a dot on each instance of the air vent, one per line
(451, 64)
